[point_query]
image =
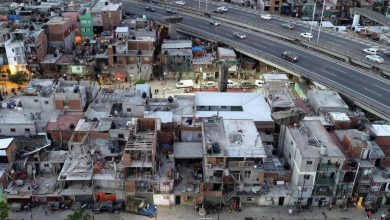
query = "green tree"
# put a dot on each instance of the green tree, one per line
(3, 210)
(79, 215)
(18, 78)
(140, 81)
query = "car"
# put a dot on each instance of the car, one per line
(150, 9)
(170, 11)
(208, 84)
(375, 58)
(371, 51)
(386, 53)
(307, 35)
(231, 84)
(223, 8)
(259, 83)
(180, 2)
(239, 35)
(247, 85)
(291, 56)
(265, 16)
(288, 26)
(214, 23)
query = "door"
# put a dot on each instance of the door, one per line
(281, 200)
(177, 200)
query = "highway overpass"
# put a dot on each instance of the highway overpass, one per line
(367, 91)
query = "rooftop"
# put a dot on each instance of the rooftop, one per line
(339, 116)
(235, 138)
(122, 30)
(77, 167)
(248, 105)
(5, 142)
(188, 150)
(280, 98)
(176, 44)
(101, 6)
(226, 53)
(275, 77)
(14, 116)
(58, 21)
(381, 130)
(39, 87)
(64, 121)
(326, 98)
(309, 138)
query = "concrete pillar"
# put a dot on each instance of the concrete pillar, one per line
(356, 19)
(223, 77)
(172, 31)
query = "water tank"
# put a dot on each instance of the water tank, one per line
(216, 148)
(170, 99)
(323, 150)
(144, 95)
(226, 172)
(75, 89)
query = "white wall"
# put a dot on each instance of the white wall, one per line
(163, 199)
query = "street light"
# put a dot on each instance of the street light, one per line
(312, 20)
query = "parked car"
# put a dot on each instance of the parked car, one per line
(265, 16)
(239, 35)
(247, 85)
(108, 206)
(307, 35)
(150, 9)
(208, 84)
(386, 53)
(214, 23)
(372, 51)
(291, 56)
(288, 26)
(259, 83)
(180, 3)
(185, 84)
(170, 11)
(231, 84)
(208, 206)
(375, 58)
(223, 8)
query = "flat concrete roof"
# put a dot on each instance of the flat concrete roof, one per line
(381, 130)
(188, 150)
(176, 44)
(326, 99)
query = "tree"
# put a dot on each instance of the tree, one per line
(18, 78)
(79, 215)
(3, 210)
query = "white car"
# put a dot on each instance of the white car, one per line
(372, 51)
(208, 84)
(222, 8)
(231, 84)
(259, 83)
(180, 3)
(375, 58)
(265, 16)
(307, 35)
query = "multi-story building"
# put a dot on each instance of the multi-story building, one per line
(233, 152)
(176, 57)
(16, 51)
(140, 159)
(106, 16)
(60, 34)
(316, 163)
(86, 26)
(36, 48)
(73, 95)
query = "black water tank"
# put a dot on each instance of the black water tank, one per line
(144, 95)
(170, 99)
(216, 148)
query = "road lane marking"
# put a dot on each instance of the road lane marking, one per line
(372, 91)
(262, 46)
(329, 72)
(341, 71)
(381, 87)
(267, 43)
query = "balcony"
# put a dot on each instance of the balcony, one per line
(332, 167)
(241, 164)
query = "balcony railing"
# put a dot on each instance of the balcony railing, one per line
(324, 181)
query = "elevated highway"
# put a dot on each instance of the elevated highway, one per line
(373, 15)
(367, 91)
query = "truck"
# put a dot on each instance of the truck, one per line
(107, 206)
(185, 84)
(140, 206)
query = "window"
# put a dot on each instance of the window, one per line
(109, 14)
(27, 129)
(121, 136)
(309, 162)
(249, 199)
(247, 174)
(46, 165)
(12, 130)
(46, 102)
(35, 100)
(189, 197)
(128, 109)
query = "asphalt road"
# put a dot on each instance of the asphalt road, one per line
(276, 21)
(362, 86)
